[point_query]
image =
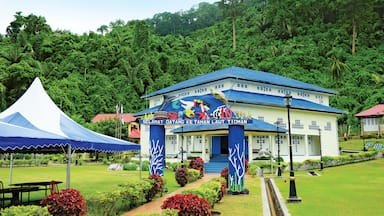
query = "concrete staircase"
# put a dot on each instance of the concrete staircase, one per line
(216, 164)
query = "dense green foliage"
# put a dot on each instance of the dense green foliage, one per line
(333, 44)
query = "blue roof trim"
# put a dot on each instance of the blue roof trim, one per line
(242, 74)
(147, 111)
(277, 101)
(256, 125)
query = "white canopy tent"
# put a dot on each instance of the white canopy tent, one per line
(35, 110)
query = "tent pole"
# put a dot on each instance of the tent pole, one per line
(10, 168)
(69, 158)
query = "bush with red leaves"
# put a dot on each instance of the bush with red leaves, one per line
(67, 202)
(157, 186)
(224, 174)
(188, 204)
(197, 163)
(182, 176)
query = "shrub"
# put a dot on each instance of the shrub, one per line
(223, 186)
(135, 193)
(157, 186)
(145, 166)
(193, 174)
(224, 174)
(130, 166)
(25, 211)
(182, 176)
(102, 203)
(215, 186)
(66, 202)
(197, 163)
(206, 193)
(188, 204)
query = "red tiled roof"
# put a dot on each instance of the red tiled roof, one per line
(377, 110)
(100, 117)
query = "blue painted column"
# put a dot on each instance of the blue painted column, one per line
(236, 159)
(157, 149)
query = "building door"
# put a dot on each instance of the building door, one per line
(224, 145)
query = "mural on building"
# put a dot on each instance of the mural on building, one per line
(203, 107)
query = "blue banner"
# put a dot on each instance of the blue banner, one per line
(195, 121)
(157, 150)
(236, 158)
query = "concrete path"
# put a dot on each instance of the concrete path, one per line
(154, 205)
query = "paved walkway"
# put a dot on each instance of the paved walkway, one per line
(154, 205)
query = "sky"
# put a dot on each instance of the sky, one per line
(82, 16)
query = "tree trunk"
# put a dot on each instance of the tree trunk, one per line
(234, 32)
(354, 36)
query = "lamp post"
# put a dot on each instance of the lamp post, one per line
(278, 149)
(182, 149)
(292, 185)
(321, 154)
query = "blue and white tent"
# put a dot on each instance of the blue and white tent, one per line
(35, 110)
(34, 124)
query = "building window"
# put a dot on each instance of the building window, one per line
(219, 86)
(303, 94)
(296, 141)
(328, 126)
(242, 85)
(260, 141)
(281, 139)
(201, 90)
(183, 94)
(264, 88)
(284, 91)
(297, 125)
(313, 126)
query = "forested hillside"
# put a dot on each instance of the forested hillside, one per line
(336, 44)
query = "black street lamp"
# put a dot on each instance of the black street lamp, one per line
(182, 149)
(278, 149)
(321, 155)
(292, 185)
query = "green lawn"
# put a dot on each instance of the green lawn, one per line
(358, 144)
(250, 204)
(354, 189)
(87, 179)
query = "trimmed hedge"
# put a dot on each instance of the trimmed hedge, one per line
(194, 174)
(30, 210)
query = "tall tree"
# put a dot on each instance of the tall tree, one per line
(232, 9)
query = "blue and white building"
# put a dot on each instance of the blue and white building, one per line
(252, 95)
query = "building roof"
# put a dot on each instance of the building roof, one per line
(101, 117)
(256, 125)
(377, 110)
(234, 96)
(241, 74)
